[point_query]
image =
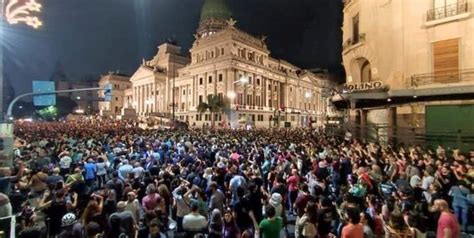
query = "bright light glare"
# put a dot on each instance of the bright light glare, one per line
(231, 95)
(244, 80)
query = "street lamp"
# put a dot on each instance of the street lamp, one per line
(244, 80)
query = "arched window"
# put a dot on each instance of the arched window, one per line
(365, 72)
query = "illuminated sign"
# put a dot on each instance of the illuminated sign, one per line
(363, 86)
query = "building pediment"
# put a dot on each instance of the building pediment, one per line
(144, 72)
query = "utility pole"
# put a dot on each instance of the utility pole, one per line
(2, 18)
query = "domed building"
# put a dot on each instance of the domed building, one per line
(225, 61)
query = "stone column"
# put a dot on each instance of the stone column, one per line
(139, 101)
(135, 98)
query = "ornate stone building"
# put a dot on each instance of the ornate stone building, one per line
(409, 64)
(225, 61)
(120, 83)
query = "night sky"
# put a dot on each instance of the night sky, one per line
(92, 37)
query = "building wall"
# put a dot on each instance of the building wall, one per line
(119, 83)
(397, 39)
(218, 63)
(87, 100)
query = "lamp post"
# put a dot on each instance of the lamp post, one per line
(307, 96)
(173, 93)
(1, 60)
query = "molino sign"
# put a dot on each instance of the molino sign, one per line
(363, 86)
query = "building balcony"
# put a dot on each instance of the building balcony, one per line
(448, 11)
(352, 43)
(462, 76)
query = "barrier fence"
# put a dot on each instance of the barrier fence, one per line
(386, 134)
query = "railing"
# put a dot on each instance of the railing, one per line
(384, 134)
(449, 77)
(350, 42)
(447, 11)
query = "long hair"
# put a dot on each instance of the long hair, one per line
(91, 209)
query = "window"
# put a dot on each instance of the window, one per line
(220, 95)
(116, 109)
(212, 54)
(198, 117)
(249, 99)
(240, 98)
(220, 77)
(269, 87)
(355, 29)
(116, 98)
(365, 72)
(292, 118)
(291, 89)
(446, 60)
(260, 118)
(258, 82)
(183, 105)
(253, 117)
(276, 87)
(157, 92)
(257, 101)
(206, 117)
(200, 81)
(184, 92)
(222, 51)
(270, 102)
(200, 98)
(210, 79)
(446, 8)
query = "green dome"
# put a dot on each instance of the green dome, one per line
(215, 9)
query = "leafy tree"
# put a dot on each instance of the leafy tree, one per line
(214, 104)
(48, 113)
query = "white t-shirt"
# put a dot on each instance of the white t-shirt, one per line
(194, 222)
(65, 162)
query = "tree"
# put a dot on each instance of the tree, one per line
(215, 104)
(48, 113)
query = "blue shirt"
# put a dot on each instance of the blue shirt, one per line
(459, 196)
(90, 169)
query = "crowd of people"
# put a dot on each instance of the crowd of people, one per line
(94, 178)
